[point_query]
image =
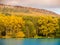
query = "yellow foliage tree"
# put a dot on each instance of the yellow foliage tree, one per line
(47, 25)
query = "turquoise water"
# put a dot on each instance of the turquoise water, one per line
(30, 41)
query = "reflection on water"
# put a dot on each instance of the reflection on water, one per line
(26, 41)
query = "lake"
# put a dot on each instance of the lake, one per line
(30, 41)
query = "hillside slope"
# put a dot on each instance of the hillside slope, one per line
(17, 10)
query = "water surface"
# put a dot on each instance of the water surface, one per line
(29, 41)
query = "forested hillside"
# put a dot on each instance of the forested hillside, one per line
(24, 22)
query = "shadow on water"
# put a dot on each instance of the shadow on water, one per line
(29, 41)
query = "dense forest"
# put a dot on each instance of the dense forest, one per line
(13, 26)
